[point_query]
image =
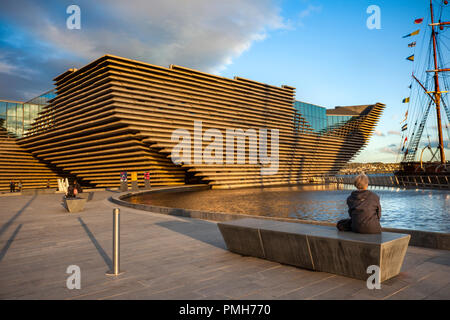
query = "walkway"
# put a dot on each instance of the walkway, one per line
(169, 257)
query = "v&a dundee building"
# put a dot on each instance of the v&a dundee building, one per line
(117, 114)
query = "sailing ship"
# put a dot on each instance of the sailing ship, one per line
(425, 127)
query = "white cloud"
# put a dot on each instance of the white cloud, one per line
(390, 149)
(200, 34)
(10, 69)
(310, 9)
(7, 68)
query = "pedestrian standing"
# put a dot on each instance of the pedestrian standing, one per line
(12, 186)
(19, 185)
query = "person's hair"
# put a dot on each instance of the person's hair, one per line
(361, 181)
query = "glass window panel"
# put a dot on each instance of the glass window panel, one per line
(26, 117)
(11, 109)
(2, 114)
(19, 112)
(2, 110)
(19, 119)
(11, 124)
(11, 117)
(26, 112)
(19, 130)
(34, 109)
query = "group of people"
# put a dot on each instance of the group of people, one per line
(72, 190)
(12, 186)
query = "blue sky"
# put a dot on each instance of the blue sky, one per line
(321, 47)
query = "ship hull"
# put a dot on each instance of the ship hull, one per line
(416, 168)
(427, 176)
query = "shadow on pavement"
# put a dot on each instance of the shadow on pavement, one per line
(10, 221)
(9, 241)
(97, 245)
(197, 229)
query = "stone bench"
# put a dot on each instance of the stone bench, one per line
(74, 204)
(317, 248)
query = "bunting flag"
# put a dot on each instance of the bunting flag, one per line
(412, 34)
(418, 21)
(405, 127)
(406, 116)
(412, 44)
(406, 100)
(410, 58)
(404, 142)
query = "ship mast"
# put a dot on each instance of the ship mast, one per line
(437, 91)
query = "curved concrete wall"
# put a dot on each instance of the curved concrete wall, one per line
(427, 239)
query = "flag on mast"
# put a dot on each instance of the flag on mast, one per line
(412, 44)
(418, 21)
(412, 34)
(410, 58)
(406, 100)
(406, 117)
(404, 142)
(405, 127)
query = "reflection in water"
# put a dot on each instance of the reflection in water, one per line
(407, 209)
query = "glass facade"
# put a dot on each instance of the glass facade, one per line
(43, 98)
(315, 115)
(17, 117)
(318, 118)
(337, 120)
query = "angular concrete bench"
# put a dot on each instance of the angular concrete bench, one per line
(317, 248)
(75, 204)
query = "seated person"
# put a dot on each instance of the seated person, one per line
(71, 192)
(364, 209)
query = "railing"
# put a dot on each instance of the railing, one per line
(426, 182)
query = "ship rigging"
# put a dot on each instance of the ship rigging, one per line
(428, 96)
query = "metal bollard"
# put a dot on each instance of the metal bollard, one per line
(116, 244)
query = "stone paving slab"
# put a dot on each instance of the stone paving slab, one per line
(168, 257)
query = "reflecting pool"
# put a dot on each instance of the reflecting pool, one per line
(401, 208)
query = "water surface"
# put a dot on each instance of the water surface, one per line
(401, 208)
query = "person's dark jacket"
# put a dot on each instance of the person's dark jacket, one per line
(70, 192)
(365, 211)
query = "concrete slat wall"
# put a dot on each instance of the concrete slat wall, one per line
(117, 114)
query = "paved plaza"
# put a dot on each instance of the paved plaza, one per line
(168, 257)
